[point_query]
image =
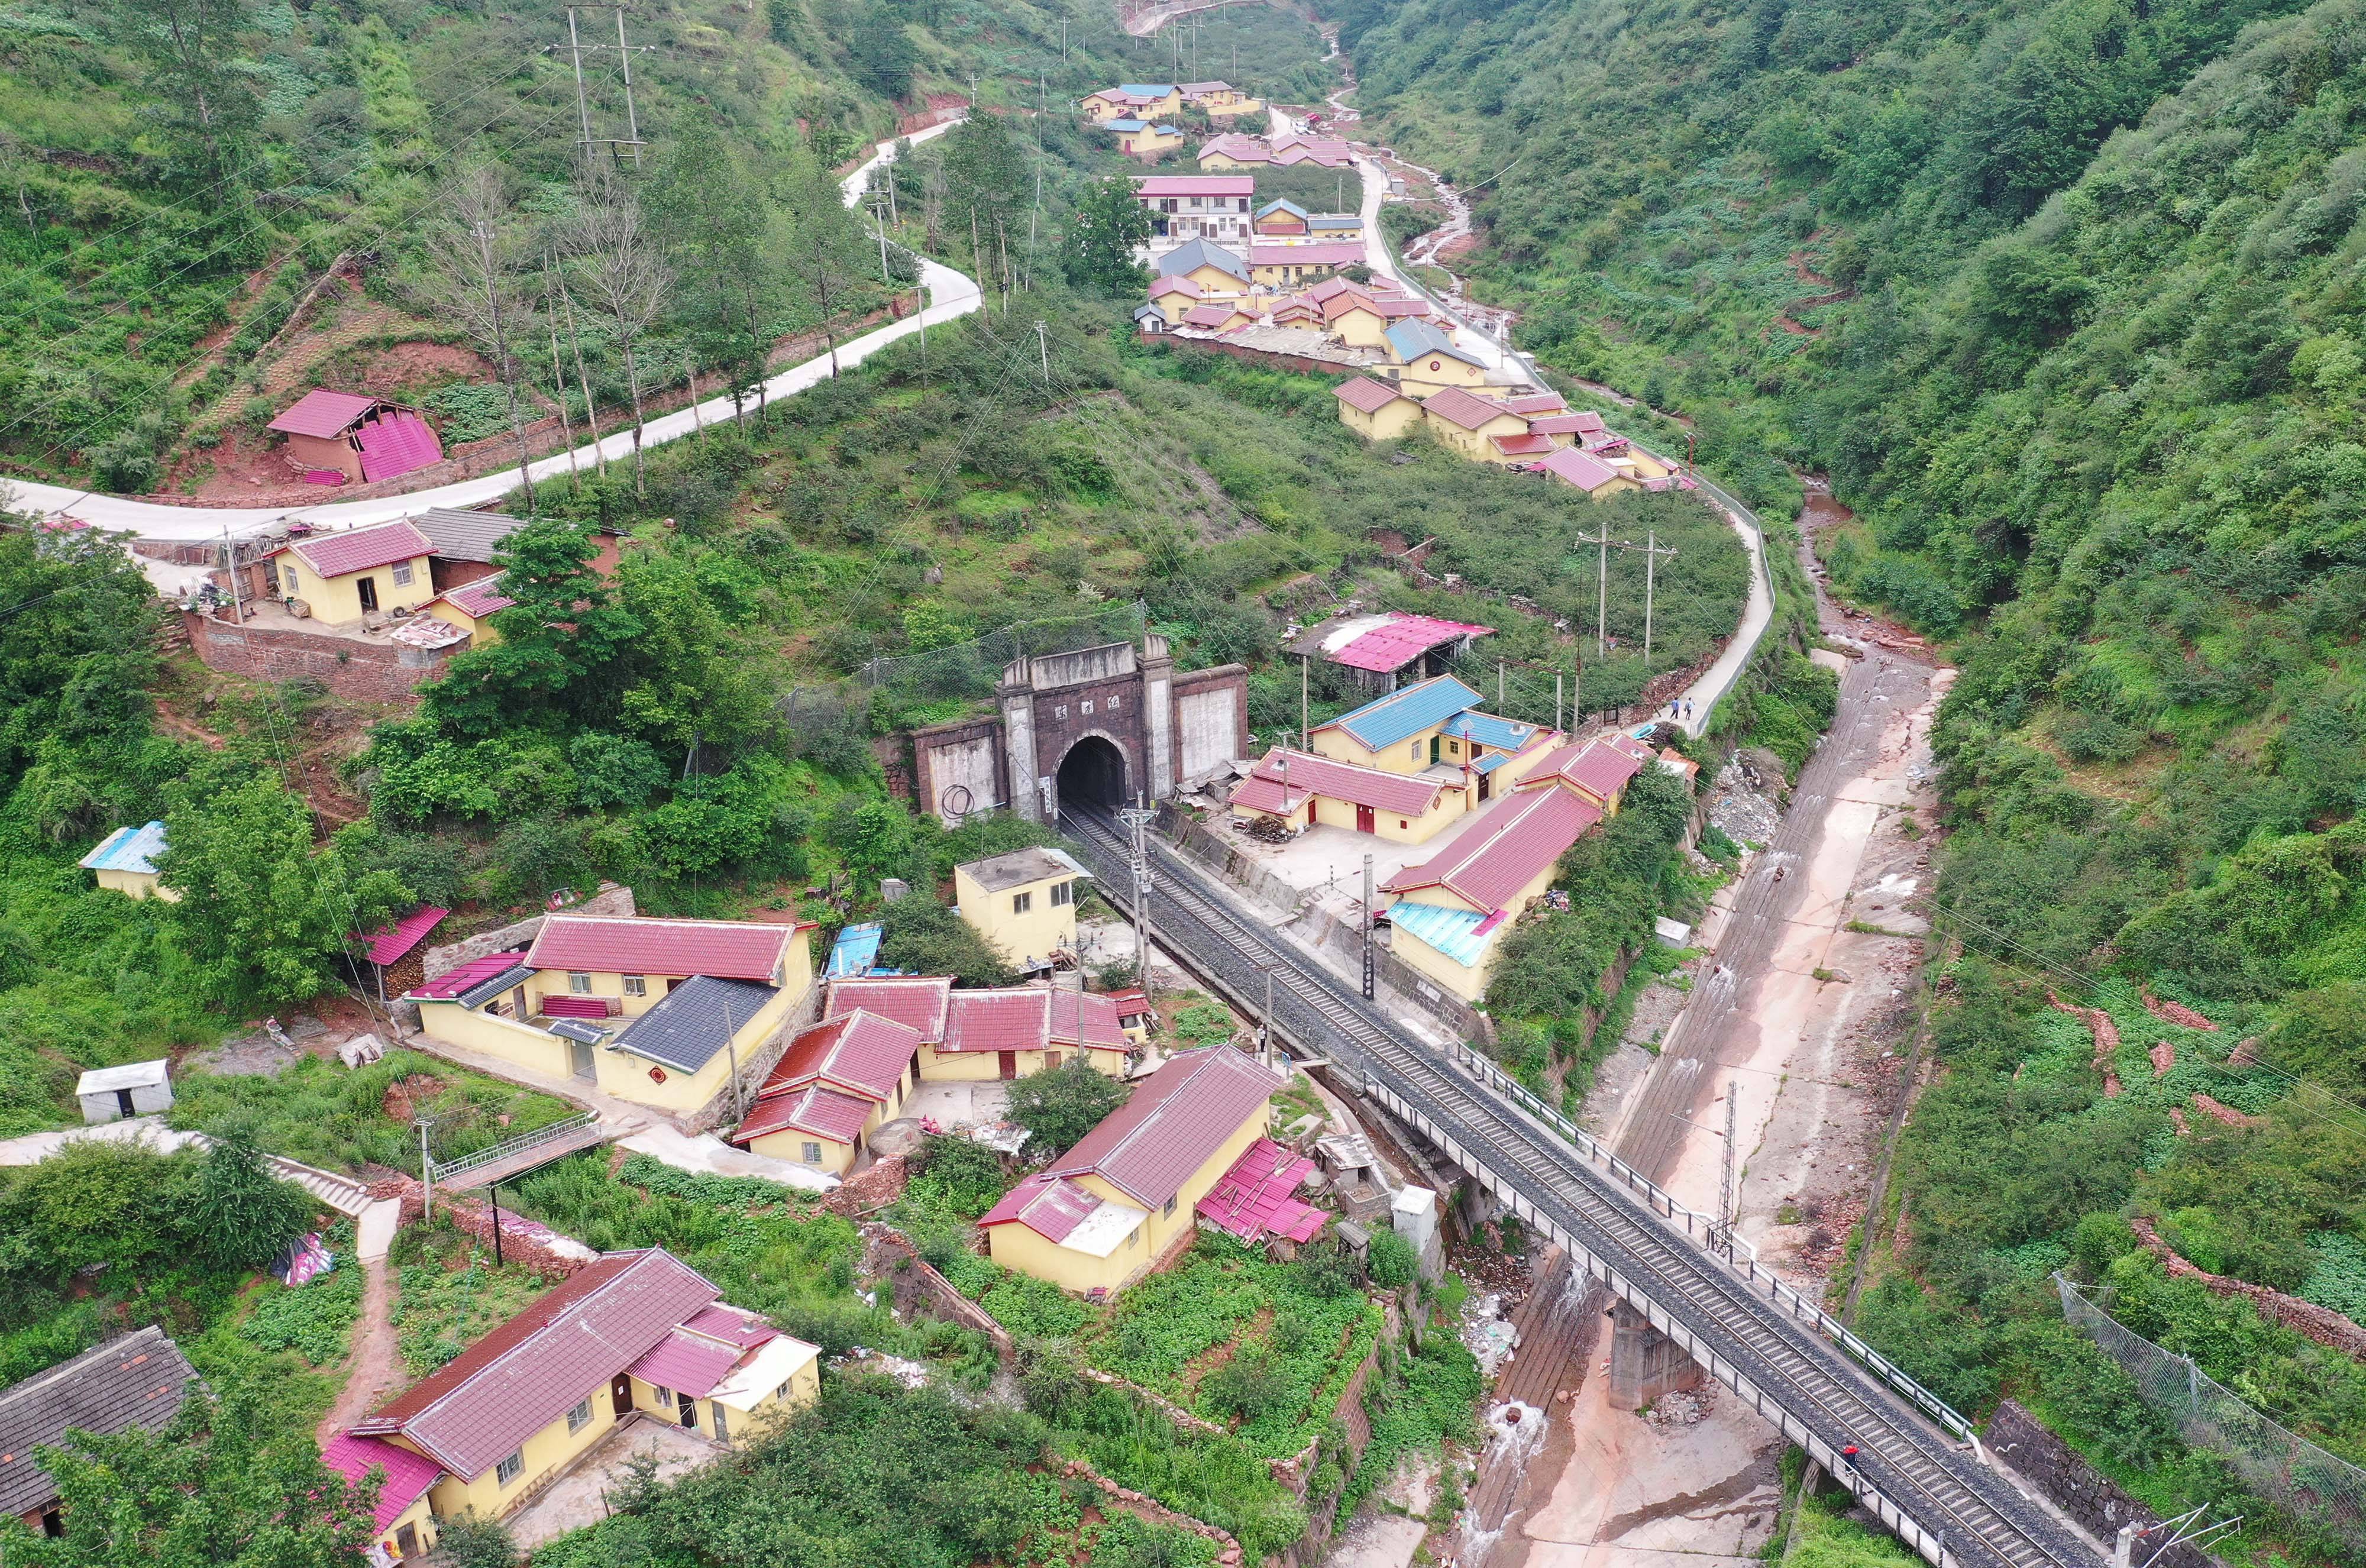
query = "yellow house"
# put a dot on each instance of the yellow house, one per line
(1336, 227)
(1214, 271)
(1290, 266)
(837, 1084)
(1595, 771)
(341, 578)
(1140, 139)
(1101, 1214)
(1133, 100)
(126, 861)
(574, 1005)
(1400, 733)
(471, 607)
(1465, 422)
(1174, 296)
(1427, 361)
(1448, 912)
(1600, 479)
(631, 1336)
(404, 1520)
(1374, 410)
(1020, 1031)
(1219, 100)
(1302, 789)
(1023, 904)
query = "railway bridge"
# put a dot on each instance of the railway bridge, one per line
(1916, 1463)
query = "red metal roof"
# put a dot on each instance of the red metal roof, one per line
(1050, 1206)
(1514, 840)
(917, 1002)
(1334, 253)
(323, 413)
(1265, 790)
(397, 444)
(1559, 424)
(335, 555)
(1209, 315)
(728, 950)
(1536, 402)
(451, 983)
(1528, 445)
(1584, 469)
(394, 941)
(1253, 1199)
(1196, 185)
(532, 1370)
(858, 1052)
(407, 1474)
(727, 1323)
(686, 1363)
(1078, 1019)
(1363, 393)
(1177, 1120)
(1461, 408)
(1014, 1018)
(479, 599)
(1175, 284)
(824, 1113)
(1596, 767)
(561, 1004)
(1404, 639)
(1587, 419)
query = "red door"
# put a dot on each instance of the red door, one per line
(621, 1393)
(1363, 819)
(1010, 1063)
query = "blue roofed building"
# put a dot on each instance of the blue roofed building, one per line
(1427, 361)
(126, 861)
(1436, 728)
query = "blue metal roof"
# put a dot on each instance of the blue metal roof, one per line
(128, 849)
(1489, 730)
(1454, 932)
(856, 949)
(1281, 204)
(1491, 760)
(1122, 125)
(1145, 89)
(1412, 338)
(1406, 712)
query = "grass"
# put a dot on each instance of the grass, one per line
(453, 1294)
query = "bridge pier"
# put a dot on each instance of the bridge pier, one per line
(1644, 1362)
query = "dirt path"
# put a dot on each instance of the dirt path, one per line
(375, 1367)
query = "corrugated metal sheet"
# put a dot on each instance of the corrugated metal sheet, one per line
(1363, 393)
(1487, 729)
(398, 444)
(1014, 1018)
(454, 984)
(407, 1474)
(917, 1002)
(482, 598)
(1595, 767)
(1050, 1206)
(686, 1363)
(861, 1052)
(1264, 789)
(1253, 1200)
(128, 849)
(466, 535)
(1079, 1019)
(1454, 932)
(730, 1324)
(323, 413)
(532, 1370)
(1513, 840)
(1415, 339)
(730, 950)
(1407, 712)
(391, 942)
(363, 549)
(1177, 1120)
(1202, 253)
(1196, 185)
(1528, 445)
(824, 1113)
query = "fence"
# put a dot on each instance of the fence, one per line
(971, 668)
(2298, 1477)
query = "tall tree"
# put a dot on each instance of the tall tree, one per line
(192, 48)
(475, 262)
(710, 206)
(824, 243)
(622, 270)
(1107, 225)
(559, 641)
(75, 657)
(986, 186)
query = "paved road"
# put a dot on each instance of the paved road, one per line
(951, 295)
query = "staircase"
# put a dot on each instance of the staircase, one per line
(341, 1193)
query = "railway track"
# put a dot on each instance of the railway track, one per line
(1763, 1340)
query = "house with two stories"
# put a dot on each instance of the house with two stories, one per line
(1102, 1214)
(660, 1012)
(1197, 206)
(631, 1337)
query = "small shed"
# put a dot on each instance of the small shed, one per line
(126, 861)
(135, 1088)
(393, 951)
(363, 438)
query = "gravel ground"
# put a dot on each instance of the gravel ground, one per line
(1740, 812)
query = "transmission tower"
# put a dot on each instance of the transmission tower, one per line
(576, 49)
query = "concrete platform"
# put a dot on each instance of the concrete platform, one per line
(578, 1497)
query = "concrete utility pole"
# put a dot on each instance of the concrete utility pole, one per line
(1137, 819)
(1044, 349)
(1652, 554)
(625, 49)
(1367, 932)
(879, 222)
(1265, 1031)
(1303, 661)
(426, 1171)
(1601, 541)
(1727, 1199)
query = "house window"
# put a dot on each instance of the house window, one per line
(1022, 902)
(664, 1394)
(288, 574)
(783, 1392)
(402, 574)
(581, 1416)
(578, 982)
(1400, 821)
(1133, 1235)
(1415, 753)
(507, 1470)
(1453, 748)
(1063, 893)
(636, 986)
(813, 1152)
(1168, 1212)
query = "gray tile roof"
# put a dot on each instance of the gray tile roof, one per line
(137, 1381)
(483, 991)
(466, 535)
(692, 1022)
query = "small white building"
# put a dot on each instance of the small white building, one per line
(135, 1088)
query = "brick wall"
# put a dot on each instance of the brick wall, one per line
(611, 899)
(358, 671)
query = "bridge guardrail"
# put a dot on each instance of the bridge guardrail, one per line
(551, 1134)
(1712, 1238)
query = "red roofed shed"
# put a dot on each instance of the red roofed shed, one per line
(362, 437)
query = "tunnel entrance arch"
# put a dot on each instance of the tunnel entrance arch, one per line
(1093, 774)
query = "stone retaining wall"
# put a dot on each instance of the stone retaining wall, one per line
(910, 1270)
(2093, 1501)
(358, 671)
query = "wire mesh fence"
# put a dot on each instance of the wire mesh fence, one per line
(971, 668)
(2303, 1480)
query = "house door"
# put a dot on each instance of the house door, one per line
(580, 1050)
(406, 1541)
(368, 586)
(620, 1392)
(123, 1106)
(688, 1408)
(1484, 781)
(1008, 1061)
(1363, 819)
